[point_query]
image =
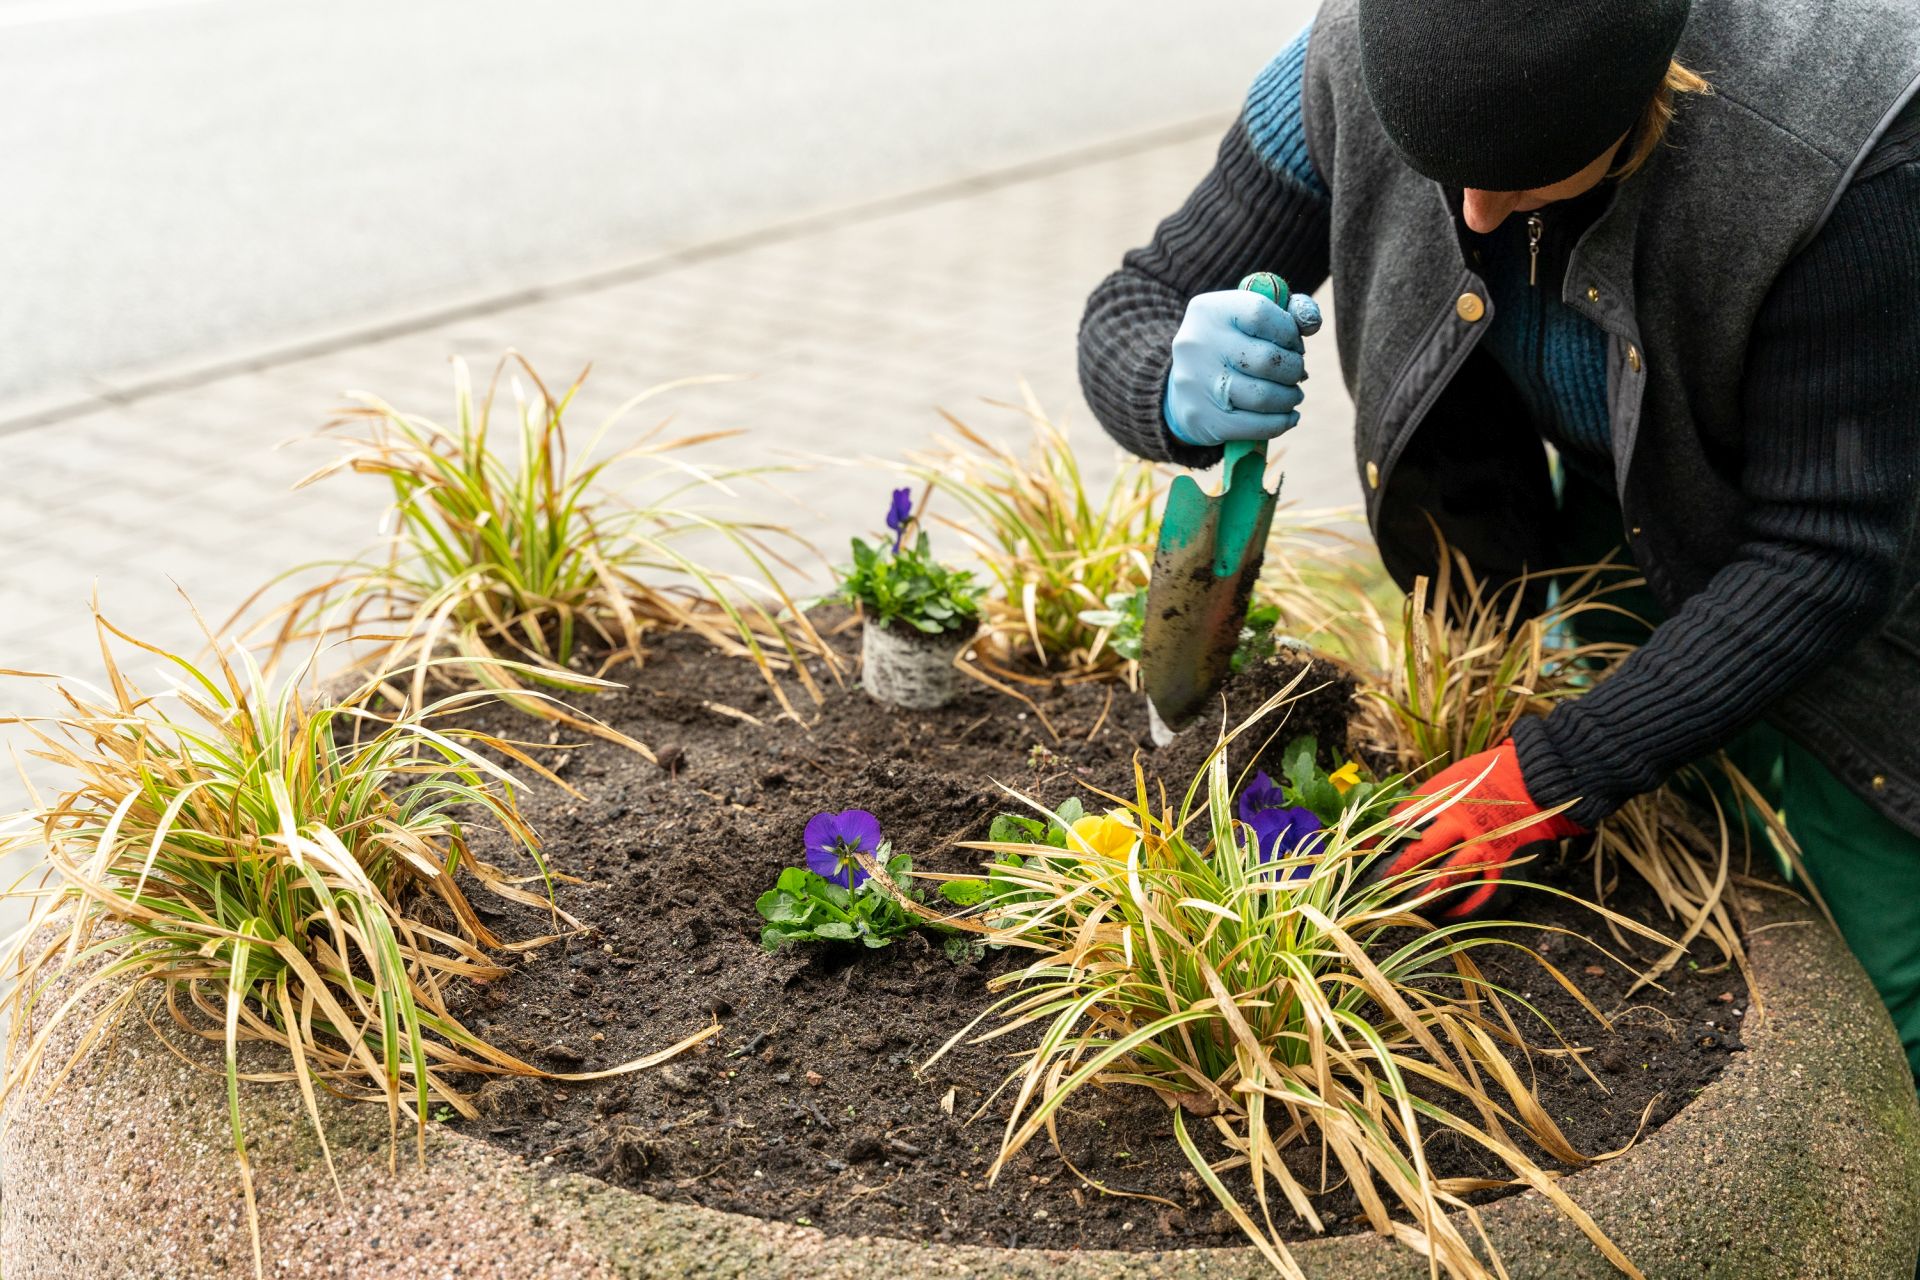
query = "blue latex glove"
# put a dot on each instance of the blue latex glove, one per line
(1238, 362)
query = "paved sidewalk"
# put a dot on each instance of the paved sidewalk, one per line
(855, 326)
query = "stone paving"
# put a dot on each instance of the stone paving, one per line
(854, 326)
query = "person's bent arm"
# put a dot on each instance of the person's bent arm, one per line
(1261, 208)
(1833, 402)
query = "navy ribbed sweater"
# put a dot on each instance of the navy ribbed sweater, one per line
(1833, 385)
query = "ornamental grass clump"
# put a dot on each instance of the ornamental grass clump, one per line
(529, 549)
(275, 873)
(1472, 660)
(1054, 548)
(1325, 586)
(1273, 994)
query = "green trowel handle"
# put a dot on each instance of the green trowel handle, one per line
(1244, 503)
(1245, 507)
(1267, 283)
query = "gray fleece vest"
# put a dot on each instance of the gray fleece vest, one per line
(1674, 272)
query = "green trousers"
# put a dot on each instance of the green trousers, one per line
(1865, 866)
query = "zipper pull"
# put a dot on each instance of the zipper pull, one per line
(1535, 225)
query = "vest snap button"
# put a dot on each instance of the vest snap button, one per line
(1470, 308)
(1633, 358)
(1879, 782)
(1373, 474)
(1634, 532)
(1593, 293)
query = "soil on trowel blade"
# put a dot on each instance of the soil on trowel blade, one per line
(807, 1106)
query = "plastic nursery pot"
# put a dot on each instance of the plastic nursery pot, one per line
(910, 668)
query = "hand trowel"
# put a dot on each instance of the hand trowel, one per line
(1204, 568)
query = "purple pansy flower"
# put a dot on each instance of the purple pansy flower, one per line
(831, 839)
(899, 514)
(1282, 830)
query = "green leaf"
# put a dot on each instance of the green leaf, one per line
(1013, 828)
(836, 931)
(776, 936)
(782, 908)
(964, 893)
(1069, 812)
(1324, 799)
(1298, 762)
(963, 949)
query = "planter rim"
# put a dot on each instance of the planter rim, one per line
(1819, 1110)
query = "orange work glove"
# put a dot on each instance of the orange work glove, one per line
(1458, 835)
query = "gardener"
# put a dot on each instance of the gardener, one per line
(1703, 294)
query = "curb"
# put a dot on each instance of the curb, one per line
(117, 391)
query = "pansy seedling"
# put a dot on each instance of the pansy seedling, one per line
(832, 840)
(1111, 835)
(1281, 830)
(907, 585)
(1001, 889)
(833, 898)
(900, 515)
(1330, 795)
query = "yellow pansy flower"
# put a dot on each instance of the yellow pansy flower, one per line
(1346, 777)
(1110, 835)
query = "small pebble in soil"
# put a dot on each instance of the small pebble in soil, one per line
(679, 1078)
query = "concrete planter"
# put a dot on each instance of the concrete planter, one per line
(1802, 1160)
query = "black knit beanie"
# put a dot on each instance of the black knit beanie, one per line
(1506, 95)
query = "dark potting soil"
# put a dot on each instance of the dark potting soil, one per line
(808, 1106)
